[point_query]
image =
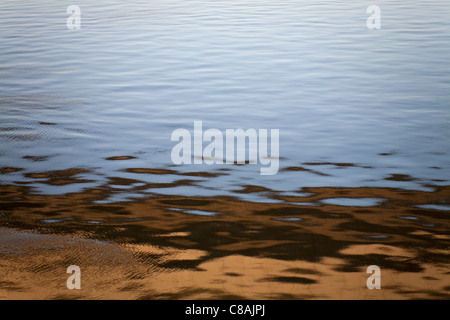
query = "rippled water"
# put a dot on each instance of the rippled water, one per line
(86, 176)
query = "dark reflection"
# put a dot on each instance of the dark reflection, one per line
(168, 171)
(400, 177)
(304, 169)
(37, 158)
(291, 280)
(336, 164)
(121, 158)
(6, 170)
(173, 240)
(60, 177)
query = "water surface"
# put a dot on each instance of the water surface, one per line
(86, 176)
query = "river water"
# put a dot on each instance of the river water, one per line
(87, 178)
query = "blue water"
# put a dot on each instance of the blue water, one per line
(137, 70)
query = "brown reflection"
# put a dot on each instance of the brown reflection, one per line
(400, 177)
(168, 171)
(6, 170)
(60, 177)
(121, 158)
(153, 248)
(304, 169)
(336, 164)
(37, 158)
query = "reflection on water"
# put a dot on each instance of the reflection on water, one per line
(223, 247)
(86, 176)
